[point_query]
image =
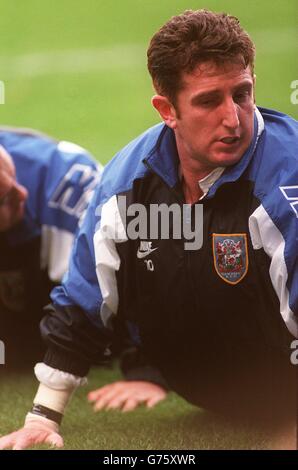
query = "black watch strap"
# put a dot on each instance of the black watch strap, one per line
(45, 412)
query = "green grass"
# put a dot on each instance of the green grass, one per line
(173, 424)
(77, 70)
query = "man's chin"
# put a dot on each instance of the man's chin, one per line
(226, 159)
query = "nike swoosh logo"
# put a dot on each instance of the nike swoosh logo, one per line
(143, 254)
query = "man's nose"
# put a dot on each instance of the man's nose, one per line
(230, 114)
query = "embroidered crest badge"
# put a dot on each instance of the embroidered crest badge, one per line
(230, 256)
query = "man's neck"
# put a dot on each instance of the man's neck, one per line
(192, 173)
(191, 189)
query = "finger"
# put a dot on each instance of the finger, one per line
(130, 405)
(18, 447)
(117, 402)
(55, 439)
(96, 394)
(22, 443)
(6, 442)
(105, 399)
(151, 402)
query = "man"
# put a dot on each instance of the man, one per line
(45, 187)
(214, 318)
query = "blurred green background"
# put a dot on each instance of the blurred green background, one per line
(77, 69)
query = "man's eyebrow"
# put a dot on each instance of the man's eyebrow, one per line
(243, 86)
(204, 94)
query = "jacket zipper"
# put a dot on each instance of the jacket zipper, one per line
(187, 259)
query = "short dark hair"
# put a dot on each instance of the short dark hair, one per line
(191, 38)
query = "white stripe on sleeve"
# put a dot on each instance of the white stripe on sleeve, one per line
(110, 232)
(56, 247)
(264, 234)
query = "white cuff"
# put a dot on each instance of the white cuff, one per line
(57, 379)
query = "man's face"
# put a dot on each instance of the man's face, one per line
(213, 115)
(12, 194)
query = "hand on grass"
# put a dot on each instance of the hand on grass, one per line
(37, 430)
(126, 395)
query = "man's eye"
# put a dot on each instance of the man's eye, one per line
(207, 102)
(242, 96)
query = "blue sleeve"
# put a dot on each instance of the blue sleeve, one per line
(60, 178)
(69, 182)
(73, 328)
(80, 285)
(274, 224)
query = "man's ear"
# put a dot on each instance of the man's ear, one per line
(165, 109)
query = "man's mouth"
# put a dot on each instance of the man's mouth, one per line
(229, 140)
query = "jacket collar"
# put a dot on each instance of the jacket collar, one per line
(164, 160)
(233, 173)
